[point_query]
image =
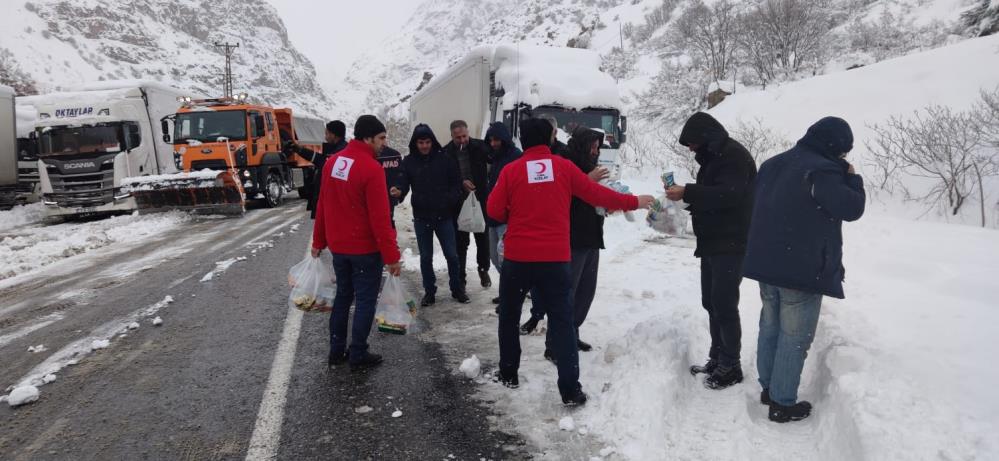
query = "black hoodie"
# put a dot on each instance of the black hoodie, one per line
(721, 201)
(507, 153)
(586, 227)
(434, 179)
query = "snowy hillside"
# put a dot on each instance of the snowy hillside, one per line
(47, 44)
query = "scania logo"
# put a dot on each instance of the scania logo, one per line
(76, 166)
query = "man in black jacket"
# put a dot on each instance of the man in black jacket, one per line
(436, 184)
(472, 158)
(720, 204)
(335, 142)
(391, 161)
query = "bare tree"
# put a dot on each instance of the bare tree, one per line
(782, 36)
(709, 33)
(760, 140)
(941, 145)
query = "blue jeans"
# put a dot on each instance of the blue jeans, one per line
(552, 285)
(787, 327)
(358, 278)
(495, 236)
(446, 230)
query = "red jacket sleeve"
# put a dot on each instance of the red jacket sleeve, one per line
(378, 216)
(319, 226)
(498, 203)
(597, 195)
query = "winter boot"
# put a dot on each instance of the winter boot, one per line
(550, 357)
(797, 412)
(461, 297)
(765, 397)
(583, 345)
(336, 359)
(510, 381)
(428, 300)
(529, 326)
(724, 377)
(367, 361)
(576, 399)
(484, 278)
(707, 368)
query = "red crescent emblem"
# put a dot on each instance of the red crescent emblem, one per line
(344, 167)
(543, 169)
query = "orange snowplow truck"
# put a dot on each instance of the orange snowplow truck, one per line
(231, 151)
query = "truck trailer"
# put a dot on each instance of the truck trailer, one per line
(509, 83)
(8, 149)
(29, 188)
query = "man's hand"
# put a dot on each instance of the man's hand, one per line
(599, 174)
(315, 252)
(395, 192)
(675, 193)
(645, 201)
(851, 170)
(395, 269)
(469, 186)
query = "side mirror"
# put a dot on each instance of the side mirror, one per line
(624, 126)
(165, 126)
(623, 138)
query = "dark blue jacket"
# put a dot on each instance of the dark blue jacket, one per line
(802, 198)
(499, 159)
(391, 161)
(434, 179)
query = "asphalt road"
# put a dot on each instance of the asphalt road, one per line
(192, 388)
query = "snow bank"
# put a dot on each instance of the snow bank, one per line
(21, 215)
(538, 75)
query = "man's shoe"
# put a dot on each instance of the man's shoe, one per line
(765, 397)
(723, 377)
(797, 412)
(511, 381)
(367, 361)
(707, 368)
(529, 326)
(461, 297)
(576, 399)
(549, 357)
(336, 359)
(428, 300)
(583, 345)
(496, 300)
(484, 278)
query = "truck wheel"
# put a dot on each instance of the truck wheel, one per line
(273, 190)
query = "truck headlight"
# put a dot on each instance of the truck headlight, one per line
(246, 173)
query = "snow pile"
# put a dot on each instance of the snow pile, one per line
(471, 367)
(24, 252)
(22, 395)
(21, 215)
(201, 178)
(37, 349)
(99, 344)
(157, 321)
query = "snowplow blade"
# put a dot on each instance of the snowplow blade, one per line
(202, 192)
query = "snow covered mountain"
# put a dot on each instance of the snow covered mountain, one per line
(48, 44)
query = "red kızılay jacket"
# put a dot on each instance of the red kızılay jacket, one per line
(533, 195)
(353, 211)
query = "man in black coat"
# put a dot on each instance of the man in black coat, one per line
(720, 204)
(433, 176)
(472, 158)
(335, 142)
(391, 161)
(795, 251)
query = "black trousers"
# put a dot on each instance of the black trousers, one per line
(481, 251)
(583, 275)
(721, 276)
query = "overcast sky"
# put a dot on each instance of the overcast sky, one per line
(332, 33)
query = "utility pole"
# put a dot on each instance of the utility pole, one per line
(227, 79)
(620, 30)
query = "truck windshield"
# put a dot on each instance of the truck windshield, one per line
(70, 140)
(605, 120)
(208, 126)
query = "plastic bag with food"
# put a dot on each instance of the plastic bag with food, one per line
(396, 309)
(668, 217)
(312, 285)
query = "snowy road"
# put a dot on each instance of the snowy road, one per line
(192, 387)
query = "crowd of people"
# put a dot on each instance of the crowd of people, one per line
(780, 226)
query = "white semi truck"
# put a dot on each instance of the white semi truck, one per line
(8, 149)
(511, 82)
(29, 189)
(93, 137)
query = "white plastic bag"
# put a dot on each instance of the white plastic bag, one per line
(312, 286)
(471, 218)
(396, 308)
(668, 217)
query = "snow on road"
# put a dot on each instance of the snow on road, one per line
(21, 215)
(27, 249)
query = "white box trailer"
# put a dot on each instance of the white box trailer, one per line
(8, 148)
(91, 138)
(29, 187)
(510, 82)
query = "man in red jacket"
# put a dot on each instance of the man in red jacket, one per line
(352, 219)
(532, 196)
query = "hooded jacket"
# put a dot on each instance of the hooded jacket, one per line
(802, 198)
(353, 213)
(721, 201)
(507, 153)
(433, 179)
(391, 161)
(586, 227)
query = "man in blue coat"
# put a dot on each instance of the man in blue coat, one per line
(795, 251)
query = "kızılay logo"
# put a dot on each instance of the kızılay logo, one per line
(78, 165)
(540, 171)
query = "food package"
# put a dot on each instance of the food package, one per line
(312, 286)
(396, 309)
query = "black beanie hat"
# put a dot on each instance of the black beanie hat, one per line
(535, 132)
(367, 126)
(338, 128)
